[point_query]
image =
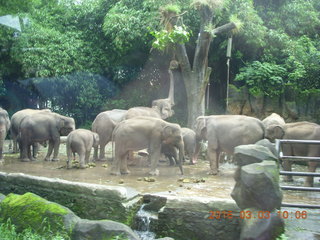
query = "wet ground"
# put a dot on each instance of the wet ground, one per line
(195, 182)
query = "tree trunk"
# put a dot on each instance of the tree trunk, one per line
(196, 77)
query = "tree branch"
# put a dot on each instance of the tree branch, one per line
(225, 28)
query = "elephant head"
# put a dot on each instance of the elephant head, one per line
(65, 124)
(171, 135)
(163, 106)
(201, 128)
(274, 132)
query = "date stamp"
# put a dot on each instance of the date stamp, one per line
(247, 214)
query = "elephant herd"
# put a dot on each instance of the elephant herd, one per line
(146, 128)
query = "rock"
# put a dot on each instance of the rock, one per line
(266, 143)
(149, 179)
(188, 218)
(258, 186)
(102, 229)
(252, 153)
(261, 225)
(30, 210)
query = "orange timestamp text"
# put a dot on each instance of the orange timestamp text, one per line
(247, 214)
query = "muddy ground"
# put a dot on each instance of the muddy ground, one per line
(195, 182)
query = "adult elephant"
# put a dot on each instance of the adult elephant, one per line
(161, 108)
(4, 127)
(225, 132)
(103, 125)
(273, 119)
(81, 141)
(297, 131)
(144, 132)
(189, 141)
(43, 126)
(15, 124)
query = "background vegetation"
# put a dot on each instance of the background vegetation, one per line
(82, 57)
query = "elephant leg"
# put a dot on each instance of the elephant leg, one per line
(124, 164)
(95, 154)
(82, 159)
(102, 156)
(154, 159)
(69, 161)
(119, 157)
(287, 166)
(212, 155)
(50, 149)
(24, 152)
(56, 145)
(312, 166)
(87, 159)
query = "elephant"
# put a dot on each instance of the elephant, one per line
(189, 140)
(144, 132)
(225, 132)
(161, 108)
(103, 125)
(15, 124)
(273, 119)
(81, 141)
(297, 131)
(4, 127)
(44, 126)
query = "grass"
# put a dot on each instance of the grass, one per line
(8, 232)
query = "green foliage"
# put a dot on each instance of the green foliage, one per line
(303, 64)
(165, 39)
(263, 78)
(8, 232)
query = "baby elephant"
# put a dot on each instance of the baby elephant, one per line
(81, 141)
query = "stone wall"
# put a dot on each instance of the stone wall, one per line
(177, 217)
(89, 201)
(290, 106)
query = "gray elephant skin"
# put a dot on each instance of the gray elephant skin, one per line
(297, 131)
(189, 141)
(161, 108)
(4, 128)
(81, 141)
(104, 125)
(40, 127)
(225, 132)
(144, 132)
(273, 119)
(15, 124)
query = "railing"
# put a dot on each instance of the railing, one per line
(288, 173)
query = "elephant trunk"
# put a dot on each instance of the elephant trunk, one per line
(181, 156)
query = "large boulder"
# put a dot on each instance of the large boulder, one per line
(258, 186)
(102, 229)
(252, 153)
(266, 143)
(262, 225)
(31, 211)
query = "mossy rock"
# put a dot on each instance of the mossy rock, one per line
(30, 210)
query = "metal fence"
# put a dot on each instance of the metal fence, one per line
(288, 173)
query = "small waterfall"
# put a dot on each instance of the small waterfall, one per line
(143, 222)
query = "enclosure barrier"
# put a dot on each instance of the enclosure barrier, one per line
(288, 173)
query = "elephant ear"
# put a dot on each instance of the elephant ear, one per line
(278, 131)
(201, 128)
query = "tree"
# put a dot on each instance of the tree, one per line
(196, 75)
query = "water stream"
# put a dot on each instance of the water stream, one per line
(143, 221)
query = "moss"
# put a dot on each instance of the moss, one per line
(30, 210)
